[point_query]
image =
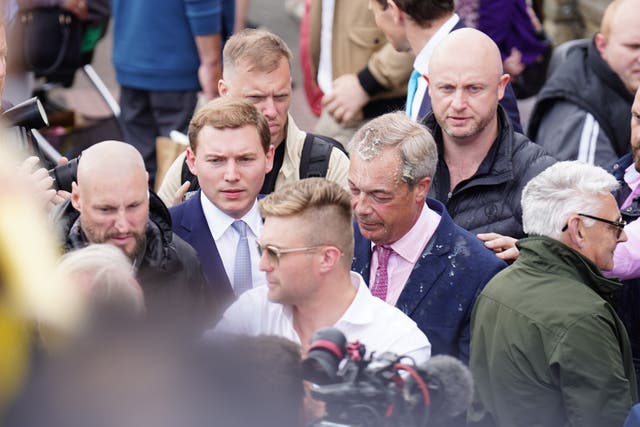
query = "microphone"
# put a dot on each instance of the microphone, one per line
(450, 385)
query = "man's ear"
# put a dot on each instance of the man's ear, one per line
(601, 43)
(223, 89)
(330, 258)
(191, 161)
(422, 188)
(269, 163)
(502, 85)
(396, 13)
(75, 197)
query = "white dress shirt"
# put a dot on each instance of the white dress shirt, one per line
(227, 238)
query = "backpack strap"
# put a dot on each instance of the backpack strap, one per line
(316, 153)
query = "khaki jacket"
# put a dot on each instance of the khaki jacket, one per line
(358, 43)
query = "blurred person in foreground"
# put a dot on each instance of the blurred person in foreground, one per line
(547, 346)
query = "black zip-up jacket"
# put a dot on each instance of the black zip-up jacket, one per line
(489, 201)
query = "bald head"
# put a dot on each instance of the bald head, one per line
(108, 158)
(466, 82)
(467, 47)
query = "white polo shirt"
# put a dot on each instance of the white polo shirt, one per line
(376, 324)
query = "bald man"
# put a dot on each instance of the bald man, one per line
(583, 110)
(483, 164)
(110, 203)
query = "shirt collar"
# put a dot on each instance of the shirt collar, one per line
(421, 63)
(219, 221)
(632, 176)
(410, 246)
(359, 311)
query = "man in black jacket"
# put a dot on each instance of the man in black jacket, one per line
(110, 203)
(482, 163)
(582, 112)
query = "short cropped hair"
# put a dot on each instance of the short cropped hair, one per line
(413, 141)
(229, 113)
(324, 205)
(562, 190)
(260, 49)
(422, 11)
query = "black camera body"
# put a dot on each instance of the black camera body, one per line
(64, 175)
(383, 390)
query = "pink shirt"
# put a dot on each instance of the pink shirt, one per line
(406, 252)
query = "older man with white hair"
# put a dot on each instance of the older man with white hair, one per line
(547, 347)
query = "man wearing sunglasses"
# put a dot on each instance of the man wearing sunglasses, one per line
(546, 343)
(307, 246)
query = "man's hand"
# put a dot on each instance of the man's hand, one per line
(346, 100)
(209, 75)
(41, 183)
(504, 246)
(178, 197)
(210, 70)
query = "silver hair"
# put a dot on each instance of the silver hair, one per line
(413, 141)
(108, 274)
(562, 190)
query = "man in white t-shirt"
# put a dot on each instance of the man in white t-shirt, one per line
(307, 247)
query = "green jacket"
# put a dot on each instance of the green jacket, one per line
(547, 348)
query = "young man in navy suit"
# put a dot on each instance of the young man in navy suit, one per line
(407, 248)
(230, 152)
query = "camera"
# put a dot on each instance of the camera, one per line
(383, 390)
(64, 175)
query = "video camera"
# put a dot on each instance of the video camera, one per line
(383, 390)
(28, 116)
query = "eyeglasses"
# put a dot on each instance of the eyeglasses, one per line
(618, 225)
(274, 253)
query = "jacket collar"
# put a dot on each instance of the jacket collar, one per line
(564, 261)
(497, 166)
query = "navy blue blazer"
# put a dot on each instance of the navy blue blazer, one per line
(508, 101)
(188, 222)
(442, 288)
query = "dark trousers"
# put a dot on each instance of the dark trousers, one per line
(148, 114)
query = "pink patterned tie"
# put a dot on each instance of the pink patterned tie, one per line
(381, 282)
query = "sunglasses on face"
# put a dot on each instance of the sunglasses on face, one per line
(274, 253)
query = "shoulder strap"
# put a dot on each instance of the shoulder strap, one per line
(316, 153)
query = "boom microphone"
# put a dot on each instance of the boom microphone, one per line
(451, 387)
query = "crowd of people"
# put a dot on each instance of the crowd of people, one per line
(418, 219)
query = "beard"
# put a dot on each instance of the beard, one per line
(93, 236)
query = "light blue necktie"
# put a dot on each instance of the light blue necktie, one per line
(412, 87)
(242, 280)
